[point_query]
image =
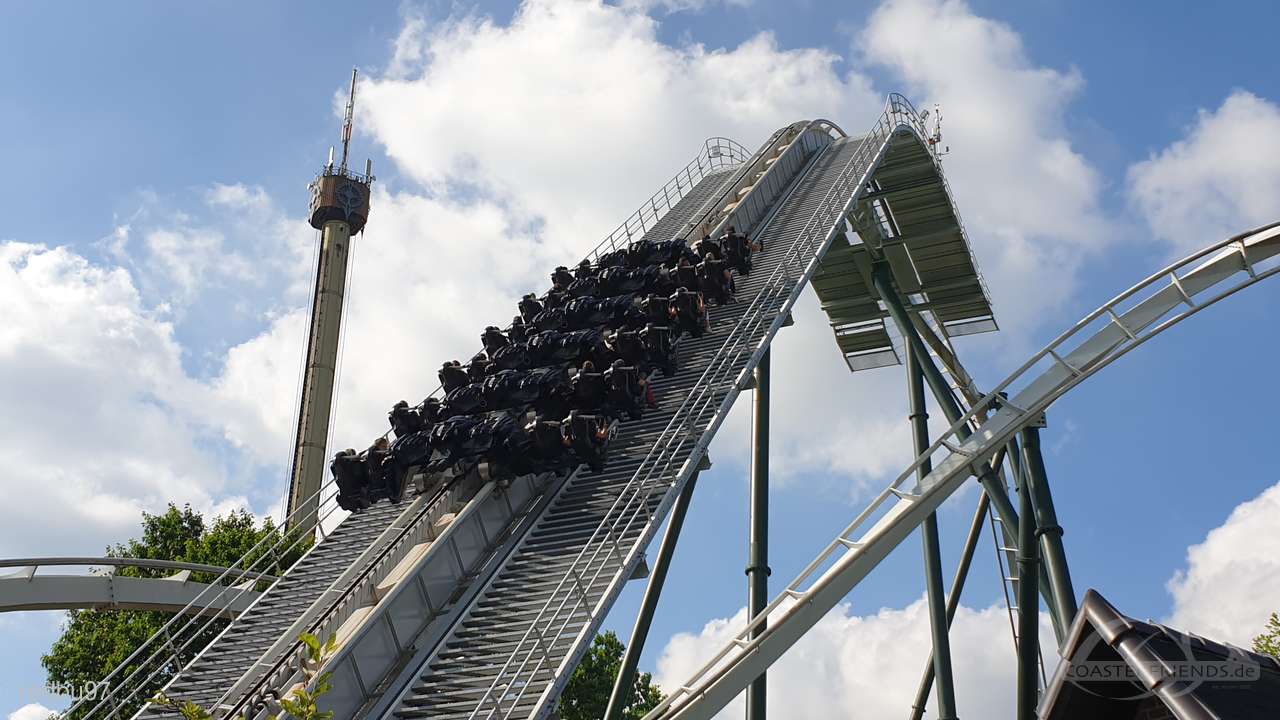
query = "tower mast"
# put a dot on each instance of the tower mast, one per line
(339, 209)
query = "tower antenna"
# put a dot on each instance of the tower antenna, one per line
(346, 123)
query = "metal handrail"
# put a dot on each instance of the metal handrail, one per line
(390, 549)
(610, 243)
(671, 193)
(151, 563)
(717, 152)
(633, 493)
(1116, 339)
(163, 639)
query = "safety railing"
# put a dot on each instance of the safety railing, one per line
(33, 565)
(629, 508)
(1113, 330)
(134, 680)
(717, 152)
(464, 543)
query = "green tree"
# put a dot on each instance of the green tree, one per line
(586, 697)
(1268, 643)
(94, 642)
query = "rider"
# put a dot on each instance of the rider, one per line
(452, 376)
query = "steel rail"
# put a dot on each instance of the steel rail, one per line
(251, 697)
(687, 418)
(630, 500)
(163, 639)
(36, 563)
(1126, 328)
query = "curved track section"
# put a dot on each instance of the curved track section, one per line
(23, 589)
(1160, 301)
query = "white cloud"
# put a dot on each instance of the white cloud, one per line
(599, 113)
(1221, 179)
(868, 667)
(1231, 583)
(572, 101)
(103, 431)
(31, 711)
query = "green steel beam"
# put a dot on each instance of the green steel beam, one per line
(758, 569)
(1063, 601)
(1028, 607)
(953, 599)
(938, 622)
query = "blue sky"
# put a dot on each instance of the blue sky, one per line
(159, 158)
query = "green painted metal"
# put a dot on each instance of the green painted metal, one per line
(1063, 601)
(758, 567)
(882, 278)
(938, 623)
(953, 598)
(1028, 608)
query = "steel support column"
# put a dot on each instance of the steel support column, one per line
(1047, 588)
(1028, 607)
(758, 567)
(657, 578)
(1055, 557)
(882, 279)
(938, 622)
(953, 599)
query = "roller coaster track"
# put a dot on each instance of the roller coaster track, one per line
(319, 589)
(540, 562)
(1160, 301)
(23, 589)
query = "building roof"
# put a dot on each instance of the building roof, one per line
(1119, 668)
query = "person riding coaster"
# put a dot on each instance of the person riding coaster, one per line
(529, 307)
(737, 251)
(452, 376)
(404, 419)
(686, 275)
(561, 277)
(351, 474)
(492, 339)
(627, 391)
(706, 246)
(715, 280)
(690, 312)
(588, 437)
(518, 333)
(648, 349)
(361, 478)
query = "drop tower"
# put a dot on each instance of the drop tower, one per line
(339, 209)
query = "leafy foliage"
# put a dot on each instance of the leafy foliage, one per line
(1268, 642)
(94, 642)
(586, 697)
